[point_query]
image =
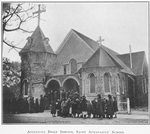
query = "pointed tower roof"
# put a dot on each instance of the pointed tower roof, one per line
(37, 43)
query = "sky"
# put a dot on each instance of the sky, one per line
(121, 24)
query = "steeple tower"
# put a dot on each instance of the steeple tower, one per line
(36, 57)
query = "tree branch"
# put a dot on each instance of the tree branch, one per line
(11, 45)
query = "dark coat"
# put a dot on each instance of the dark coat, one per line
(84, 105)
(89, 107)
(42, 104)
(74, 107)
(36, 106)
(110, 108)
(31, 105)
(115, 106)
(64, 107)
(99, 107)
(53, 108)
(94, 103)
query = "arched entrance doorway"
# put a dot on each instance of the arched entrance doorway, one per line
(53, 90)
(71, 88)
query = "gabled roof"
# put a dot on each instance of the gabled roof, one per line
(38, 44)
(137, 61)
(101, 58)
(89, 42)
(105, 57)
(114, 54)
(94, 45)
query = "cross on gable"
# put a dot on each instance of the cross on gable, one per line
(100, 40)
(39, 12)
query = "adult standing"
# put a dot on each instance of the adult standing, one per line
(58, 107)
(53, 108)
(99, 107)
(42, 104)
(110, 108)
(64, 108)
(115, 107)
(104, 104)
(84, 107)
(26, 105)
(94, 103)
(36, 105)
(31, 105)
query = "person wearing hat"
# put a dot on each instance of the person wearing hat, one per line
(84, 107)
(115, 107)
(110, 108)
(99, 107)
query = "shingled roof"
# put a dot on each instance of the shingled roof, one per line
(137, 61)
(113, 55)
(37, 43)
(89, 42)
(101, 58)
(105, 57)
(115, 58)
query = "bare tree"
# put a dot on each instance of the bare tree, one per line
(13, 17)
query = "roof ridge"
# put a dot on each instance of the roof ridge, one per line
(84, 36)
(83, 39)
(120, 62)
(131, 53)
(63, 42)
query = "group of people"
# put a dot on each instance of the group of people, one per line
(69, 104)
(24, 105)
(81, 107)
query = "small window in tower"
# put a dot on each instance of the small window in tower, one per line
(46, 40)
(29, 40)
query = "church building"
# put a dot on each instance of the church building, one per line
(82, 65)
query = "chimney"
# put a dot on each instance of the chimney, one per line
(130, 56)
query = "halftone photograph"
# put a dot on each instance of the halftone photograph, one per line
(75, 63)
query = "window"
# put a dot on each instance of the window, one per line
(92, 83)
(25, 87)
(64, 69)
(107, 83)
(123, 85)
(73, 64)
(145, 86)
(118, 83)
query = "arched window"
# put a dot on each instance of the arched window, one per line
(92, 83)
(73, 65)
(118, 83)
(107, 83)
(25, 87)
